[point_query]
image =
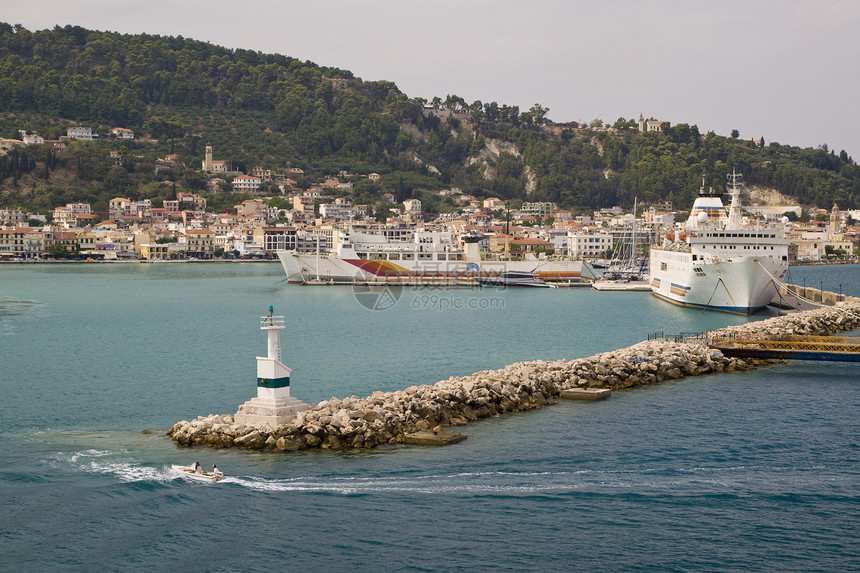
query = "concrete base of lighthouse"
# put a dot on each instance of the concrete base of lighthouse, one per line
(272, 411)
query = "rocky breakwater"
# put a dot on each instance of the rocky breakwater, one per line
(391, 417)
(822, 321)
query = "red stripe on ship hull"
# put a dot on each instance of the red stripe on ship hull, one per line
(386, 268)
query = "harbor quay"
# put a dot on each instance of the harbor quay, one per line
(423, 414)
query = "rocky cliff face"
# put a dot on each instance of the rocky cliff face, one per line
(767, 197)
(488, 159)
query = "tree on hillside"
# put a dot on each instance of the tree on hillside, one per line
(538, 113)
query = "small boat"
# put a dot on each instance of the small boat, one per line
(513, 279)
(622, 281)
(205, 477)
(629, 275)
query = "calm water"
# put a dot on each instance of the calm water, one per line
(752, 471)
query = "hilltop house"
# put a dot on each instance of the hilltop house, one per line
(122, 133)
(81, 133)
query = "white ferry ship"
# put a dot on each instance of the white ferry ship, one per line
(430, 258)
(718, 263)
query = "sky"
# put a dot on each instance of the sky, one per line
(784, 70)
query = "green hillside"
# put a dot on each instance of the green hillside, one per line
(277, 112)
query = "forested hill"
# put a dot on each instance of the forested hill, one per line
(275, 111)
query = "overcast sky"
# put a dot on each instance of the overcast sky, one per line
(784, 70)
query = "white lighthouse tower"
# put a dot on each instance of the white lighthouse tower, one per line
(273, 404)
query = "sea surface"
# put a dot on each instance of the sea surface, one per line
(752, 471)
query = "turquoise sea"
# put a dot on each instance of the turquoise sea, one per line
(753, 471)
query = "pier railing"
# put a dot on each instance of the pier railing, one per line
(702, 337)
(835, 348)
(796, 342)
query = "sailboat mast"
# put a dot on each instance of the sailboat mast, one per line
(633, 240)
(318, 255)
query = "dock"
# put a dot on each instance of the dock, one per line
(829, 348)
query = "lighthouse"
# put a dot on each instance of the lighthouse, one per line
(273, 404)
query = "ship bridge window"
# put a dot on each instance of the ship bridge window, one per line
(377, 256)
(442, 257)
(456, 257)
(393, 256)
(408, 256)
(425, 256)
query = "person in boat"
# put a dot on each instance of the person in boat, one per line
(215, 470)
(197, 468)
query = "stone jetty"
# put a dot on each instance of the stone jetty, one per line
(418, 413)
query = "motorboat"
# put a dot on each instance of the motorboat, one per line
(201, 476)
(513, 279)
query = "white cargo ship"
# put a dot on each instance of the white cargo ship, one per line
(430, 258)
(718, 263)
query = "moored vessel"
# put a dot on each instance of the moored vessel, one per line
(628, 276)
(514, 279)
(718, 263)
(431, 257)
(622, 282)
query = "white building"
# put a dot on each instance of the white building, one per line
(80, 208)
(540, 209)
(246, 183)
(337, 211)
(558, 237)
(31, 138)
(82, 133)
(587, 244)
(12, 217)
(122, 133)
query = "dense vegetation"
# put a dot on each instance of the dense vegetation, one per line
(276, 111)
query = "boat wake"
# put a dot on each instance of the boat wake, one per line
(113, 463)
(660, 481)
(12, 308)
(737, 480)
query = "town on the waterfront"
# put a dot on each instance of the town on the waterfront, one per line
(319, 218)
(485, 332)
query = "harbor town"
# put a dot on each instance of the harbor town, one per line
(259, 312)
(317, 218)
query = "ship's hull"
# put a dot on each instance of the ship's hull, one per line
(743, 285)
(329, 268)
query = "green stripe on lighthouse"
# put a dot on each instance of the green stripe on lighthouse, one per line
(273, 382)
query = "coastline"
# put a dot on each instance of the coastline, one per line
(136, 261)
(275, 260)
(391, 417)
